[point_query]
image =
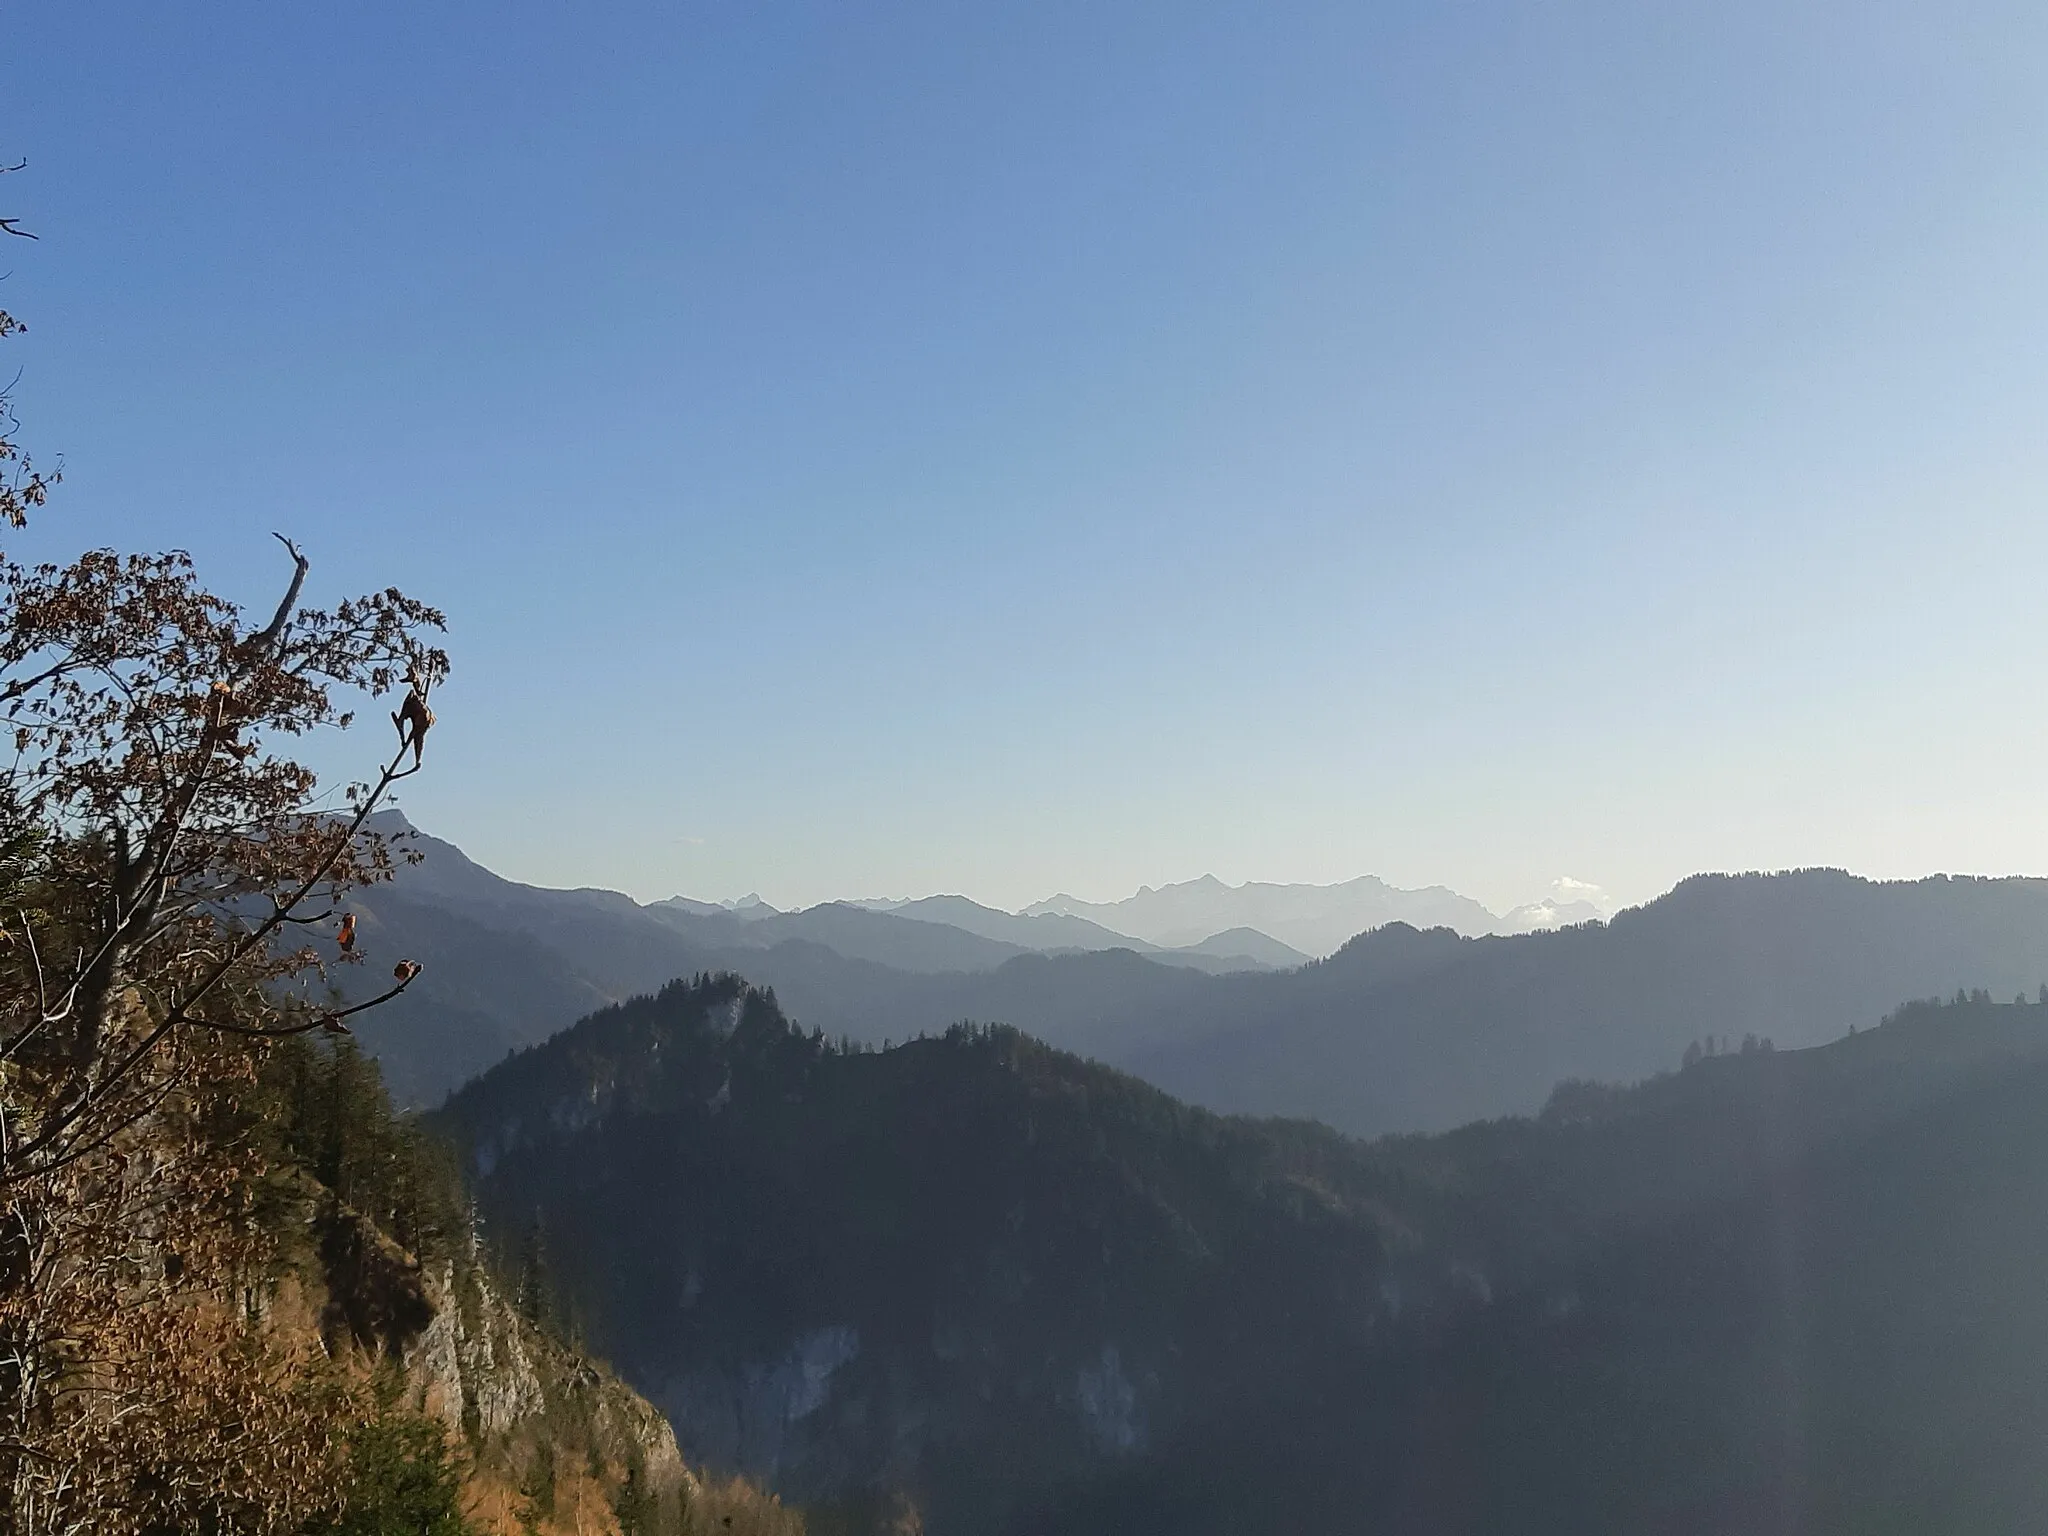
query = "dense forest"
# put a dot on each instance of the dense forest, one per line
(1756, 1292)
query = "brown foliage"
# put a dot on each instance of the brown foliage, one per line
(146, 1389)
(22, 486)
(162, 867)
(164, 870)
(177, 849)
(732, 1506)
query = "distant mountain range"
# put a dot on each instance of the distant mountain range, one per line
(1056, 932)
(1405, 1030)
(508, 964)
(1402, 1029)
(924, 935)
(1314, 919)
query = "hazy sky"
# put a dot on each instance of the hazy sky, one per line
(872, 448)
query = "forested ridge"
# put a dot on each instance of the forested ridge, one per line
(1036, 1294)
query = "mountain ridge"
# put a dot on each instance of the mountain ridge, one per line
(1313, 919)
(1400, 1029)
(1043, 1296)
(1799, 956)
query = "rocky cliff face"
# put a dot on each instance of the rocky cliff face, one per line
(758, 1415)
(550, 1430)
(556, 1443)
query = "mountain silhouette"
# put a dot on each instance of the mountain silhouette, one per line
(1402, 1029)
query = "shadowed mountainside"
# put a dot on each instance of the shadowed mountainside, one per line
(1401, 1030)
(1784, 1291)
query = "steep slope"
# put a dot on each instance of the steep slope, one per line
(546, 1440)
(553, 1442)
(1756, 1295)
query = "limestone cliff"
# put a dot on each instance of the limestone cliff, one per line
(555, 1443)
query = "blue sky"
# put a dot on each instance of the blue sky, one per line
(896, 448)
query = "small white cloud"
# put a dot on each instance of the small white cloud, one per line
(1566, 891)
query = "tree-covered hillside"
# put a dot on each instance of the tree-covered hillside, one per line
(1780, 1292)
(1036, 1294)
(969, 1257)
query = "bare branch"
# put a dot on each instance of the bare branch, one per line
(329, 1020)
(180, 1013)
(260, 647)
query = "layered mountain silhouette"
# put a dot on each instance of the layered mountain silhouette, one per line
(1788, 1291)
(951, 933)
(508, 964)
(1054, 933)
(1313, 919)
(1401, 1029)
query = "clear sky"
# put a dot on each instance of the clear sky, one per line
(880, 448)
